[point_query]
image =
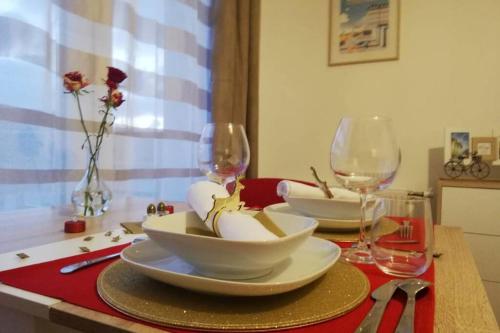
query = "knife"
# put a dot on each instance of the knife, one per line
(76, 266)
(73, 267)
(382, 295)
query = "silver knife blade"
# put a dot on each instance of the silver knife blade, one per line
(79, 265)
(76, 266)
(382, 295)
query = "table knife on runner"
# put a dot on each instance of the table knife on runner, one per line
(76, 266)
(382, 295)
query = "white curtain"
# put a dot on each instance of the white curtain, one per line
(162, 45)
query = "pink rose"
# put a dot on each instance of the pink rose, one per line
(74, 81)
(116, 98)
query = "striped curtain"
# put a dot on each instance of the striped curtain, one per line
(162, 45)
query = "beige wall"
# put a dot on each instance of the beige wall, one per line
(447, 75)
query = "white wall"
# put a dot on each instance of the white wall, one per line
(447, 75)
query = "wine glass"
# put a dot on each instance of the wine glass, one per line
(364, 158)
(223, 152)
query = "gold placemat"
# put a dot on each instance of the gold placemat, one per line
(387, 227)
(340, 290)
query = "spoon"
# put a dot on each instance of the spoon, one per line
(411, 287)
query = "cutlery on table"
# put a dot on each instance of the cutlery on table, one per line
(411, 287)
(85, 263)
(382, 295)
(76, 266)
(406, 230)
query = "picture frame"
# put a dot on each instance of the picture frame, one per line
(456, 142)
(363, 31)
(486, 147)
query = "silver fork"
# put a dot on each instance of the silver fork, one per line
(406, 230)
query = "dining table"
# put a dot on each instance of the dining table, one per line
(461, 303)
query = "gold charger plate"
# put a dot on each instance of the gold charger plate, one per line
(387, 227)
(340, 290)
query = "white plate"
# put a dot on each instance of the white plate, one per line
(307, 263)
(323, 223)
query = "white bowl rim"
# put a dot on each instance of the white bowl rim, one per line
(353, 200)
(310, 228)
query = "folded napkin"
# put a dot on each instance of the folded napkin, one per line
(287, 188)
(231, 225)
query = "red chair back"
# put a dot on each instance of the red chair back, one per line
(261, 192)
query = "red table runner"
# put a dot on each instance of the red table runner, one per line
(79, 288)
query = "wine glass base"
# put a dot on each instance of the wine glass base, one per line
(357, 256)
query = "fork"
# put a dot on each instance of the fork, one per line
(406, 230)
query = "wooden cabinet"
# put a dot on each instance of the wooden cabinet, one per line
(475, 207)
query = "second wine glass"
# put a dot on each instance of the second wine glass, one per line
(364, 158)
(223, 152)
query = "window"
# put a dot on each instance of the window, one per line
(163, 46)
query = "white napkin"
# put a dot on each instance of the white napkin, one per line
(288, 188)
(232, 225)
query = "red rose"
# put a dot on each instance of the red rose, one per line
(111, 84)
(115, 75)
(116, 98)
(74, 81)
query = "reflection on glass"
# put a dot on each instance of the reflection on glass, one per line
(223, 151)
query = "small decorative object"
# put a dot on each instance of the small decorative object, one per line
(486, 147)
(322, 184)
(84, 249)
(74, 226)
(108, 233)
(161, 208)
(88, 239)
(229, 204)
(456, 143)
(22, 255)
(151, 210)
(169, 209)
(115, 239)
(456, 167)
(92, 197)
(363, 31)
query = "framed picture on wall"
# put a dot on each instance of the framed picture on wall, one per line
(363, 31)
(457, 142)
(486, 147)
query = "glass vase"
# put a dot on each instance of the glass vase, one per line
(91, 197)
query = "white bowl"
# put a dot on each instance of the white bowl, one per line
(344, 206)
(220, 258)
(323, 223)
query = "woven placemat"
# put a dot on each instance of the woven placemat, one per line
(387, 227)
(340, 290)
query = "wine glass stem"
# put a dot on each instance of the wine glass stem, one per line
(362, 244)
